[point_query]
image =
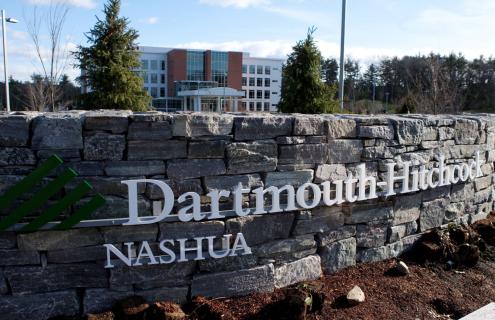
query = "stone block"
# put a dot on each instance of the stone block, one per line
(330, 172)
(258, 128)
(228, 263)
(430, 134)
(53, 240)
(321, 219)
(466, 131)
(111, 186)
(7, 240)
(88, 168)
(395, 233)
(260, 229)
(116, 207)
(291, 140)
(368, 213)
(207, 149)
(409, 131)
(152, 276)
(453, 211)
(15, 130)
(337, 128)
(294, 178)
(40, 306)
(236, 283)
(377, 132)
(344, 151)
(483, 183)
(134, 168)
(57, 131)
(194, 168)
(150, 131)
(303, 154)
(432, 214)
(371, 235)
(156, 150)
(104, 146)
(446, 133)
(148, 232)
(409, 242)
(176, 230)
(338, 255)
(202, 124)
(305, 269)
(17, 157)
(284, 249)
(178, 187)
(13, 257)
(27, 280)
(250, 181)
(388, 251)
(4, 289)
(309, 126)
(344, 232)
(114, 121)
(251, 157)
(406, 208)
(100, 300)
(80, 254)
(174, 294)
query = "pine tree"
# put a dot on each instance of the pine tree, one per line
(303, 90)
(107, 64)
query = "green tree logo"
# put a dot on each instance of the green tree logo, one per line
(29, 206)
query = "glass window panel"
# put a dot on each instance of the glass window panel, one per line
(259, 94)
(267, 69)
(163, 64)
(259, 82)
(251, 106)
(219, 67)
(267, 106)
(244, 81)
(154, 64)
(251, 94)
(251, 69)
(267, 82)
(162, 92)
(251, 82)
(162, 78)
(259, 69)
(145, 76)
(258, 106)
(267, 94)
(244, 68)
(144, 64)
(154, 92)
(154, 78)
(195, 66)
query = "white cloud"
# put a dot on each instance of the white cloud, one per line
(150, 20)
(235, 3)
(86, 4)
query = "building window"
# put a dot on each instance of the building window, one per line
(259, 94)
(144, 64)
(274, 92)
(145, 89)
(219, 67)
(251, 106)
(163, 64)
(244, 81)
(154, 92)
(251, 94)
(251, 69)
(274, 81)
(267, 94)
(258, 106)
(243, 93)
(244, 68)
(267, 82)
(259, 69)
(251, 82)
(267, 69)
(154, 64)
(145, 76)
(259, 82)
(244, 105)
(154, 78)
(267, 106)
(195, 66)
(162, 92)
(162, 78)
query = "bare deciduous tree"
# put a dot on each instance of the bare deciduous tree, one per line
(45, 94)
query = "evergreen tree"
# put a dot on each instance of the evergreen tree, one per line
(303, 90)
(107, 64)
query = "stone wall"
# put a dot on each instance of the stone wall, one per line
(47, 273)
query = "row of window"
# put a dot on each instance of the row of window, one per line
(260, 94)
(256, 106)
(256, 69)
(153, 91)
(152, 64)
(152, 77)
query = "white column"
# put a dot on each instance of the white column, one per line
(236, 104)
(219, 107)
(184, 103)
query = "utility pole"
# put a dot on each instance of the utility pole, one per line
(341, 69)
(5, 63)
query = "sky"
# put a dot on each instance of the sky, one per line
(269, 28)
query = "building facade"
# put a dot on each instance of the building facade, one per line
(208, 80)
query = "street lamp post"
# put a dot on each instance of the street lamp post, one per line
(341, 69)
(5, 70)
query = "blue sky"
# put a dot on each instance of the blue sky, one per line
(269, 28)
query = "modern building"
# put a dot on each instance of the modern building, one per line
(208, 80)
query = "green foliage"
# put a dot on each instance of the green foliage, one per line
(107, 64)
(303, 90)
